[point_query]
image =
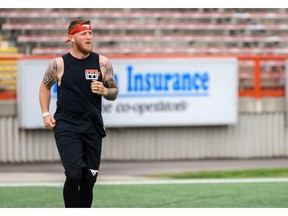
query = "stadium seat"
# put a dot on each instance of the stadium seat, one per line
(8, 76)
(204, 31)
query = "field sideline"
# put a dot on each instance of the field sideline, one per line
(144, 182)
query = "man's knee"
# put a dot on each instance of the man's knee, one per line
(74, 175)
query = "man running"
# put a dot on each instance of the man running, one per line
(82, 78)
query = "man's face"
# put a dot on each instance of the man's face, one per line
(83, 41)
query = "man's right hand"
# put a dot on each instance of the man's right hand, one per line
(49, 121)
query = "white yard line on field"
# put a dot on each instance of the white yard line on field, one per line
(142, 182)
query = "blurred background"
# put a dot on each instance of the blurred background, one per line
(257, 38)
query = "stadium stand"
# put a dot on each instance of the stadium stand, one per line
(210, 31)
(8, 78)
(233, 30)
(8, 71)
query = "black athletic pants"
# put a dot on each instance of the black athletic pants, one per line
(80, 155)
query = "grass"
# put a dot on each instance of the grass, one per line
(30, 197)
(224, 195)
(232, 195)
(252, 195)
(230, 174)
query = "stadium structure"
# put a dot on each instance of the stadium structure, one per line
(257, 38)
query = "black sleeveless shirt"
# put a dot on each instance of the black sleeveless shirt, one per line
(78, 109)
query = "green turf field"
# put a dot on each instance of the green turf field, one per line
(218, 195)
(228, 174)
(200, 195)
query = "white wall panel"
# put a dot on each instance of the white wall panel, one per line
(255, 135)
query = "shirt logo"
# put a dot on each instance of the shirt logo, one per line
(92, 74)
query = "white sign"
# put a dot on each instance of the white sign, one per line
(152, 92)
(30, 75)
(286, 88)
(174, 92)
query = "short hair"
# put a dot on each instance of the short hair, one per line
(77, 22)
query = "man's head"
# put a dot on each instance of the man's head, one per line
(80, 34)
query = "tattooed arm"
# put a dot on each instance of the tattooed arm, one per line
(50, 77)
(109, 88)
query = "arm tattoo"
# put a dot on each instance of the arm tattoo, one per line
(50, 75)
(109, 81)
(107, 68)
(112, 93)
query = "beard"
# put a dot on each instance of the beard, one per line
(85, 49)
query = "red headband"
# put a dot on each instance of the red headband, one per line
(79, 28)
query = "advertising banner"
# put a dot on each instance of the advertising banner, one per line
(152, 92)
(286, 89)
